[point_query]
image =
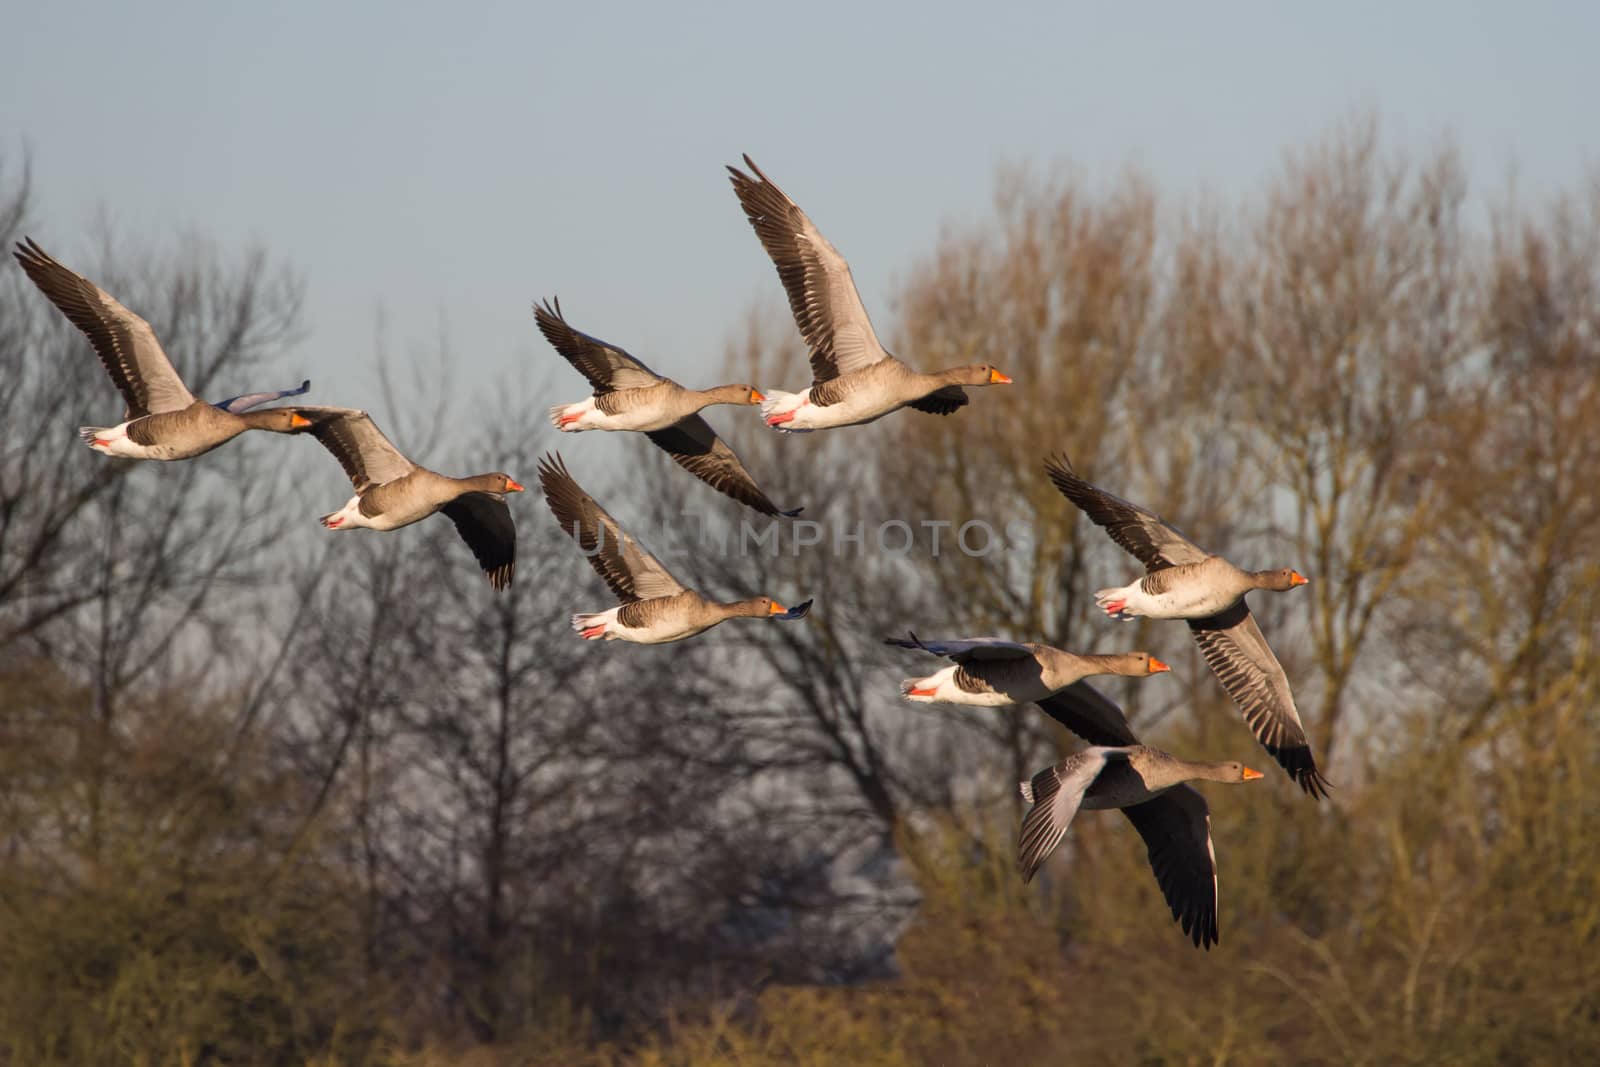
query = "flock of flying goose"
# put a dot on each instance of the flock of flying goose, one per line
(854, 380)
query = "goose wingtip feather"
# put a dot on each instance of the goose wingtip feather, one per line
(799, 611)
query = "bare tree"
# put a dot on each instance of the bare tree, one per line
(218, 323)
(1350, 327)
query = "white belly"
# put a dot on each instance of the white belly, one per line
(941, 688)
(350, 517)
(1186, 603)
(639, 421)
(1193, 599)
(114, 441)
(585, 414)
(658, 633)
(855, 410)
(605, 625)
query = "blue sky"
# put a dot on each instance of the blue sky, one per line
(451, 163)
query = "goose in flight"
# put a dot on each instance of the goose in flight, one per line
(630, 396)
(392, 491)
(992, 672)
(1149, 786)
(656, 608)
(854, 379)
(1185, 582)
(163, 420)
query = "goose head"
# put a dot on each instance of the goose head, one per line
(734, 394)
(1230, 771)
(764, 607)
(1127, 664)
(278, 420)
(500, 482)
(981, 374)
(1150, 664)
(1281, 580)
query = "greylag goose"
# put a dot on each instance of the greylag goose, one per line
(630, 396)
(854, 379)
(655, 607)
(991, 672)
(392, 491)
(163, 420)
(1185, 582)
(1176, 826)
(1148, 786)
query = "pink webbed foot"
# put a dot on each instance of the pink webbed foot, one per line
(593, 632)
(1114, 607)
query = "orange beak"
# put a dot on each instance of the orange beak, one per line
(1156, 666)
(298, 421)
(1296, 578)
(512, 486)
(756, 397)
(776, 608)
(1248, 775)
(996, 378)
